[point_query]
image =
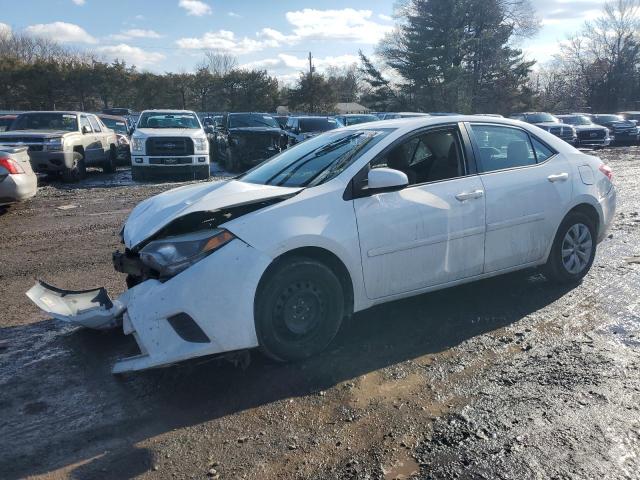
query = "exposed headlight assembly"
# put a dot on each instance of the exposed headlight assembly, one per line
(55, 144)
(137, 145)
(169, 256)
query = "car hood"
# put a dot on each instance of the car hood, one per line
(168, 132)
(593, 126)
(150, 216)
(256, 130)
(33, 133)
(551, 124)
(619, 124)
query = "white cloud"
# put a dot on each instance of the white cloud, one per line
(345, 24)
(234, 15)
(79, 2)
(131, 55)
(135, 33)
(61, 32)
(224, 41)
(195, 7)
(386, 18)
(285, 61)
(5, 29)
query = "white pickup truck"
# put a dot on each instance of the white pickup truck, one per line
(169, 143)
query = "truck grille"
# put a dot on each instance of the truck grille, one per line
(591, 134)
(169, 146)
(33, 144)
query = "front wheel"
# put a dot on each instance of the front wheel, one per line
(573, 250)
(230, 164)
(110, 162)
(298, 309)
(77, 171)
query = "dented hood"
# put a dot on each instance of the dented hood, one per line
(156, 212)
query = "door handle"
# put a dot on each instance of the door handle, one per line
(558, 177)
(469, 195)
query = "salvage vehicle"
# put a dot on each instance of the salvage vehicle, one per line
(356, 118)
(550, 123)
(123, 129)
(623, 131)
(589, 134)
(633, 116)
(244, 140)
(300, 129)
(63, 142)
(171, 144)
(352, 218)
(18, 182)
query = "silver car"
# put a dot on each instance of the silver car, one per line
(17, 180)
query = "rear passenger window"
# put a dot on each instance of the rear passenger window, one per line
(542, 151)
(502, 147)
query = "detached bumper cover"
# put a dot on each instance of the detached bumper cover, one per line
(86, 308)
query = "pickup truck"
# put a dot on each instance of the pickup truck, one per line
(63, 142)
(169, 143)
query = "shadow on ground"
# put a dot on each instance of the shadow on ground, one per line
(61, 407)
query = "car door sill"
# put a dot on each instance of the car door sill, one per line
(512, 222)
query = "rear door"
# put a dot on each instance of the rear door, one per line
(432, 231)
(91, 154)
(527, 187)
(101, 137)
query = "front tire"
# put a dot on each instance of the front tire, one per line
(298, 309)
(77, 171)
(230, 164)
(110, 162)
(573, 250)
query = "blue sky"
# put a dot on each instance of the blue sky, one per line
(171, 35)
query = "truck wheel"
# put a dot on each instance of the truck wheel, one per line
(230, 164)
(298, 309)
(110, 162)
(573, 250)
(137, 174)
(202, 172)
(76, 172)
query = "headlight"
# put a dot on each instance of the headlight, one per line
(201, 145)
(137, 145)
(54, 144)
(169, 256)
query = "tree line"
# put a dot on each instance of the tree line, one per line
(443, 55)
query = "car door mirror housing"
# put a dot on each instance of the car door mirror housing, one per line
(85, 129)
(386, 180)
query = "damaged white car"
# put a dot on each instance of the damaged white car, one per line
(278, 257)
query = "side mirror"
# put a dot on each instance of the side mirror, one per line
(85, 130)
(386, 180)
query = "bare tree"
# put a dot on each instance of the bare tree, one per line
(218, 63)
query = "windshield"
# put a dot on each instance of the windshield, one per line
(577, 120)
(315, 161)
(317, 124)
(241, 120)
(168, 120)
(46, 121)
(356, 119)
(541, 118)
(609, 118)
(117, 126)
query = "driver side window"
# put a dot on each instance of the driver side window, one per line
(429, 157)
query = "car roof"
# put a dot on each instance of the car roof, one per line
(167, 110)
(63, 112)
(410, 123)
(113, 117)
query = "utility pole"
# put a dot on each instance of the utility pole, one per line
(311, 102)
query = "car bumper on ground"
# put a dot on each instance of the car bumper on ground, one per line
(181, 318)
(44, 162)
(17, 188)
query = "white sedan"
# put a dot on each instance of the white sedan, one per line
(277, 258)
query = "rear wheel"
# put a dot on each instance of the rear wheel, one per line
(298, 309)
(573, 250)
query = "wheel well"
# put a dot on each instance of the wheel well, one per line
(325, 257)
(589, 211)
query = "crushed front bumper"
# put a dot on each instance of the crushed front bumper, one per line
(187, 316)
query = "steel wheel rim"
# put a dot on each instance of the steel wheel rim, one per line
(299, 311)
(577, 246)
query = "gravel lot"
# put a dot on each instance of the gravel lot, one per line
(509, 378)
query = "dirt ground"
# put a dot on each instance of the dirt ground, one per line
(509, 378)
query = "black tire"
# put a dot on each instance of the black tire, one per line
(556, 269)
(110, 163)
(202, 172)
(77, 171)
(298, 309)
(137, 174)
(230, 164)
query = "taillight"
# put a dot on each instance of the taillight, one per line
(606, 170)
(10, 165)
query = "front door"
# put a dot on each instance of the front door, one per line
(432, 231)
(527, 187)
